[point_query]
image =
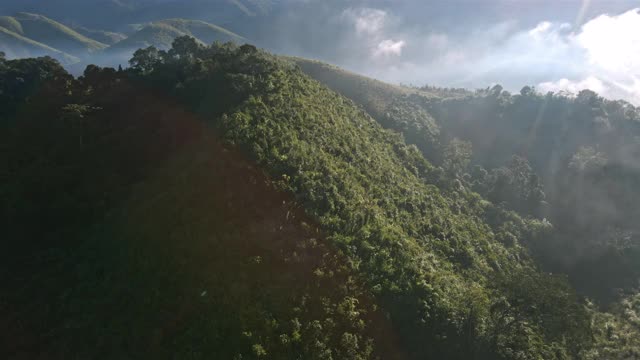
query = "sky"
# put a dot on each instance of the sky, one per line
(560, 45)
(553, 45)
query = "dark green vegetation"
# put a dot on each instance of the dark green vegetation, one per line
(572, 161)
(215, 201)
(130, 231)
(584, 153)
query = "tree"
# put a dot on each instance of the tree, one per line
(98, 77)
(184, 47)
(587, 159)
(496, 90)
(145, 60)
(587, 95)
(248, 49)
(517, 185)
(457, 156)
(3, 60)
(527, 90)
(74, 115)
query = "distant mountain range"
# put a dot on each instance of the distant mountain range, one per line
(161, 34)
(108, 14)
(26, 34)
(32, 35)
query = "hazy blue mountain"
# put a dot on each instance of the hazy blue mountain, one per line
(161, 34)
(15, 45)
(105, 37)
(112, 14)
(54, 34)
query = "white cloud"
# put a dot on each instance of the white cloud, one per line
(539, 30)
(611, 60)
(574, 87)
(613, 42)
(371, 27)
(389, 48)
(366, 21)
(603, 55)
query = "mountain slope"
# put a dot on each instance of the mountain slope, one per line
(15, 45)
(393, 106)
(114, 14)
(158, 35)
(589, 199)
(56, 35)
(569, 159)
(205, 32)
(441, 262)
(162, 33)
(105, 37)
(131, 261)
(138, 202)
(11, 24)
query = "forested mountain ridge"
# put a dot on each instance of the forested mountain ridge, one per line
(449, 271)
(568, 159)
(113, 255)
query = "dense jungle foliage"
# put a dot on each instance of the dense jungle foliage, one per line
(215, 201)
(571, 160)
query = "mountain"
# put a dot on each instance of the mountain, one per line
(105, 37)
(162, 33)
(113, 15)
(218, 198)
(56, 35)
(392, 105)
(31, 35)
(569, 160)
(15, 45)
(218, 259)
(11, 24)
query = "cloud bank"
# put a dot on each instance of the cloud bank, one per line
(611, 61)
